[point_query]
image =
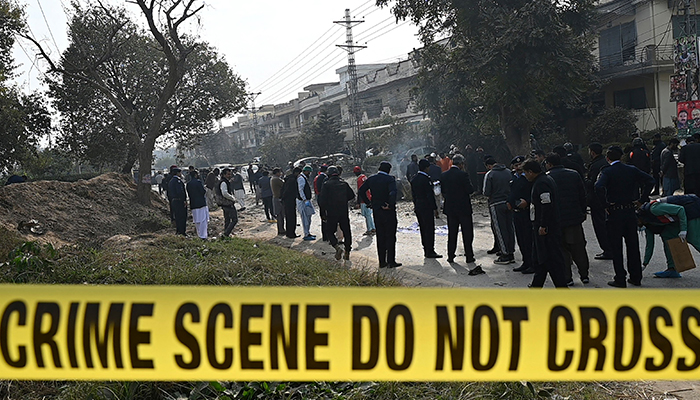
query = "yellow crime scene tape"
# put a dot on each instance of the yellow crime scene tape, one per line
(334, 334)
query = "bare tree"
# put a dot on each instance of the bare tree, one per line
(148, 77)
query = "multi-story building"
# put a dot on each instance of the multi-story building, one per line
(635, 57)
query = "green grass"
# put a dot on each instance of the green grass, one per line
(171, 260)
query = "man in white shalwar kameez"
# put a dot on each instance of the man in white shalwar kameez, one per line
(198, 204)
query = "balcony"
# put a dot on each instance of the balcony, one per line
(635, 61)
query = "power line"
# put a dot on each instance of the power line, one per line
(295, 58)
(282, 92)
(49, 27)
(378, 34)
(292, 73)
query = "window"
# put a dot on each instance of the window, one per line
(634, 99)
(618, 44)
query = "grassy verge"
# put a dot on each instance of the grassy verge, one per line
(170, 260)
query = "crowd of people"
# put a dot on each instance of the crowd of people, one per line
(539, 202)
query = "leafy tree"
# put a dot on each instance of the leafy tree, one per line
(506, 65)
(613, 125)
(23, 118)
(121, 88)
(323, 136)
(279, 151)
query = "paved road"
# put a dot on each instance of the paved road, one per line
(418, 271)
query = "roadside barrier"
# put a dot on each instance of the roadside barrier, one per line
(54, 332)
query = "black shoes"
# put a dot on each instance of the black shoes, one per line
(585, 280)
(634, 283)
(603, 256)
(493, 251)
(476, 271)
(528, 271)
(521, 268)
(505, 260)
(390, 265)
(450, 259)
(471, 260)
(433, 255)
(617, 284)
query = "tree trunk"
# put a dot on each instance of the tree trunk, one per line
(143, 190)
(518, 141)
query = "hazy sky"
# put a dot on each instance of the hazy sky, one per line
(277, 46)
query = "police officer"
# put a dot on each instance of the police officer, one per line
(598, 161)
(546, 232)
(383, 189)
(424, 206)
(456, 188)
(333, 201)
(620, 185)
(519, 202)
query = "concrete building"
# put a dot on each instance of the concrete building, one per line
(635, 58)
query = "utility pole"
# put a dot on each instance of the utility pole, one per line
(352, 48)
(252, 97)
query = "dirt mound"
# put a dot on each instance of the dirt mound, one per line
(82, 212)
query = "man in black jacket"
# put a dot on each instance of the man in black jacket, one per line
(572, 213)
(546, 232)
(659, 146)
(227, 201)
(519, 202)
(178, 202)
(334, 199)
(668, 169)
(424, 207)
(595, 151)
(289, 199)
(690, 157)
(383, 189)
(620, 185)
(456, 188)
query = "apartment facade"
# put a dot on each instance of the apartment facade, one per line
(635, 58)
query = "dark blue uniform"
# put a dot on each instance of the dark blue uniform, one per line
(383, 189)
(546, 249)
(621, 184)
(456, 188)
(178, 199)
(521, 188)
(424, 206)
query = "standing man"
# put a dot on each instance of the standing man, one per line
(412, 168)
(178, 200)
(304, 206)
(690, 157)
(289, 198)
(198, 204)
(424, 206)
(276, 184)
(519, 202)
(546, 233)
(571, 195)
(227, 201)
(365, 210)
(319, 180)
(251, 177)
(573, 155)
(159, 182)
(383, 188)
(210, 184)
(266, 196)
(497, 189)
(238, 188)
(456, 188)
(668, 169)
(335, 196)
(659, 147)
(620, 184)
(595, 202)
(481, 170)
(639, 157)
